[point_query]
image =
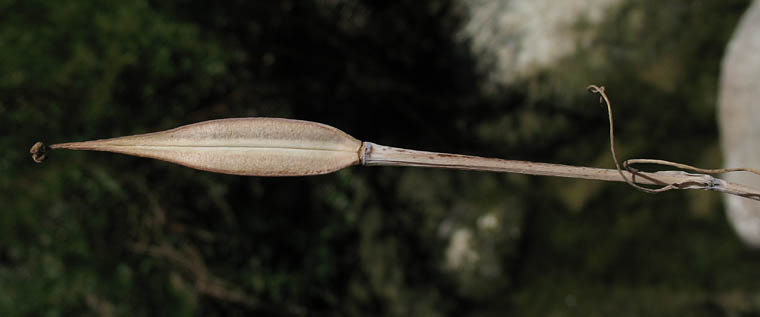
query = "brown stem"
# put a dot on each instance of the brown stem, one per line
(379, 155)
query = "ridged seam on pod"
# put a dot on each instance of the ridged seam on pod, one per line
(241, 146)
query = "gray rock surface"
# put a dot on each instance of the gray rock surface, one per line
(739, 115)
(521, 37)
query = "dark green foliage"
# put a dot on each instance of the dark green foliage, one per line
(104, 234)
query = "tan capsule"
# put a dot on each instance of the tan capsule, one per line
(241, 146)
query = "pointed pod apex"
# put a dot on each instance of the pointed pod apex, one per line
(39, 152)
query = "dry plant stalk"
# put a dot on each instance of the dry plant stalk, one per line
(285, 147)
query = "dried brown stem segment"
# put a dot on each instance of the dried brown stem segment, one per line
(242, 146)
(380, 155)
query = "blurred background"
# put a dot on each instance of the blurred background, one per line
(89, 233)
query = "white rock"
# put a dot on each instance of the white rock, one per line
(526, 36)
(739, 115)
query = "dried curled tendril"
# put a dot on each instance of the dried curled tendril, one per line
(39, 152)
(627, 164)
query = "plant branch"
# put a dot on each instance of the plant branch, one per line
(380, 155)
(285, 147)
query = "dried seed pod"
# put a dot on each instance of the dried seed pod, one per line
(284, 147)
(242, 146)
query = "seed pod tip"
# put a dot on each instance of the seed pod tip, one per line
(39, 152)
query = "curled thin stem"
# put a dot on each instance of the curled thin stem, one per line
(627, 164)
(39, 152)
(713, 171)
